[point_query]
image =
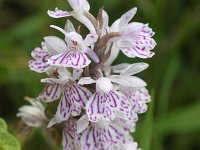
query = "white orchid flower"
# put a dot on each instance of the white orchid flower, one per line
(79, 8)
(72, 54)
(73, 99)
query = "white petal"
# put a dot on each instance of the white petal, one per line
(90, 39)
(92, 55)
(69, 27)
(86, 80)
(73, 36)
(52, 122)
(114, 53)
(70, 59)
(115, 26)
(127, 81)
(127, 17)
(82, 124)
(131, 146)
(79, 5)
(55, 45)
(104, 85)
(58, 13)
(85, 21)
(134, 68)
(135, 81)
(118, 68)
(105, 20)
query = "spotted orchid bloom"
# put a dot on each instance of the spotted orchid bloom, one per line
(113, 137)
(98, 104)
(135, 38)
(80, 10)
(40, 55)
(73, 97)
(138, 96)
(74, 56)
(106, 102)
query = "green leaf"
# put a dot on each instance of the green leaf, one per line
(179, 121)
(7, 141)
(3, 125)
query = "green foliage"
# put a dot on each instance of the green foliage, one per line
(7, 141)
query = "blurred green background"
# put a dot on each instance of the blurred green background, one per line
(173, 118)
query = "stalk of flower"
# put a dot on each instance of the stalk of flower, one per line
(98, 103)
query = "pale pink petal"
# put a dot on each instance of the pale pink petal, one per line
(55, 45)
(86, 80)
(70, 59)
(105, 27)
(90, 39)
(58, 13)
(79, 5)
(106, 106)
(92, 55)
(85, 21)
(124, 20)
(127, 81)
(50, 93)
(134, 68)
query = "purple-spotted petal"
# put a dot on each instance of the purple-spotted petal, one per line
(103, 139)
(51, 92)
(70, 138)
(38, 66)
(107, 105)
(139, 99)
(73, 101)
(40, 55)
(142, 45)
(70, 59)
(58, 13)
(94, 138)
(124, 20)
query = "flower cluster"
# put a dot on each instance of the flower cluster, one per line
(98, 103)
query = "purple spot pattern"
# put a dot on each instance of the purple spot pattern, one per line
(139, 99)
(70, 137)
(95, 138)
(39, 64)
(73, 101)
(51, 92)
(142, 44)
(70, 59)
(58, 13)
(106, 106)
